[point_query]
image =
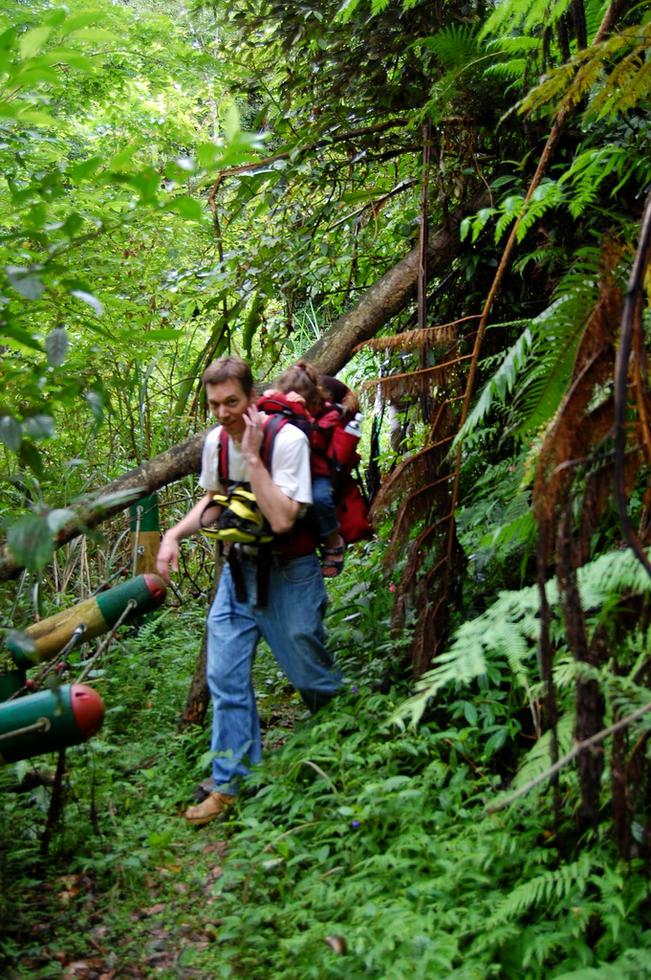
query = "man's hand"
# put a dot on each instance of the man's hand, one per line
(168, 554)
(253, 434)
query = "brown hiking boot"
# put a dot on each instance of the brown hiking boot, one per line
(212, 807)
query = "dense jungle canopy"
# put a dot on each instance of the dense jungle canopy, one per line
(449, 207)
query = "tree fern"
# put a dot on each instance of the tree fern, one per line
(508, 629)
(542, 358)
(589, 170)
(537, 759)
(454, 46)
(612, 76)
(523, 15)
(456, 51)
(627, 86)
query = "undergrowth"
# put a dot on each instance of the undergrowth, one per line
(356, 850)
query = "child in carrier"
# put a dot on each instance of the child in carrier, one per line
(303, 389)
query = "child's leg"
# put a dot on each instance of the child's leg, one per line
(324, 506)
(328, 526)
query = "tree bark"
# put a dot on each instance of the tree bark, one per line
(383, 300)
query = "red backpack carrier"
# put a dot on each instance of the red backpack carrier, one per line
(333, 453)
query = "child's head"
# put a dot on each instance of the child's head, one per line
(303, 378)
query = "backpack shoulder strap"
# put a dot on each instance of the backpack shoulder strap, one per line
(222, 459)
(272, 427)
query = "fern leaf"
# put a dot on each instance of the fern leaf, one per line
(537, 759)
(439, 336)
(550, 886)
(631, 965)
(454, 46)
(557, 331)
(508, 627)
(499, 386)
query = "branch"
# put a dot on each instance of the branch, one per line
(299, 151)
(166, 468)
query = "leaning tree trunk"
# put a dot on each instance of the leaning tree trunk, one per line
(383, 300)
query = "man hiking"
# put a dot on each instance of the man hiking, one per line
(281, 598)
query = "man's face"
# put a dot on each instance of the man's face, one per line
(228, 403)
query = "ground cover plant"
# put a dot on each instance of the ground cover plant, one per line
(460, 228)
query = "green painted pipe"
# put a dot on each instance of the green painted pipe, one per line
(98, 614)
(48, 721)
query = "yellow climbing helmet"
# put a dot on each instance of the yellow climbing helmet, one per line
(240, 518)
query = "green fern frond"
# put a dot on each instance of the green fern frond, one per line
(509, 18)
(594, 14)
(546, 196)
(499, 387)
(553, 11)
(547, 256)
(588, 171)
(557, 331)
(631, 965)
(509, 628)
(454, 46)
(514, 534)
(519, 45)
(512, 70)
(550, 886)
(538, 758)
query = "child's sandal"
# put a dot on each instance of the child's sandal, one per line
(334, 561)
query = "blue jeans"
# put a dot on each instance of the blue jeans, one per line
(324, 505)
(292, 624)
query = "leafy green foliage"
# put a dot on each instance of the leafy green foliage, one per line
(177, 187)
(509, 627)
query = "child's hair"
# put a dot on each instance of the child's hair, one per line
(303, 378)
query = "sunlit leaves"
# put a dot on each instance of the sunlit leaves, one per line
(187, 207)
(56, 346)
(10, 432)
(32, 41)
(30, 541)
(26, 281)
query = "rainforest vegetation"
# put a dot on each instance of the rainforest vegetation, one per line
(447, 205)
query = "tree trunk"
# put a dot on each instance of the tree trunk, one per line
(378, 305)
(198, 698)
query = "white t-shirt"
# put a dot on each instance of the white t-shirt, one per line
(290, 463)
